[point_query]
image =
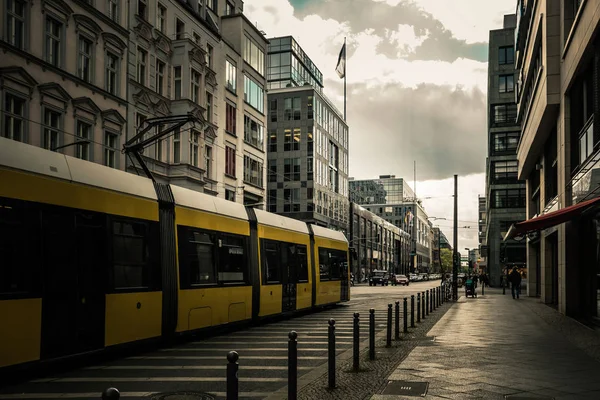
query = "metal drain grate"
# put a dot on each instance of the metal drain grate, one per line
(405, 388)
(183, 396)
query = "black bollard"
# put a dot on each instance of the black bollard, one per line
(418, 307)
(405, 315)
(356, 344)
(292, 365)
(397, 325)
(427, 302)
(423, 305)
(388, 342)
(412, 310)
(482, 288)
(332, 353)
(232, 375)
(434, 299)
(372, 334)
(111, 394)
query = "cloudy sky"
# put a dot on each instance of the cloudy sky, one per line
(416, 83)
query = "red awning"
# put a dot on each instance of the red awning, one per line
(551, 219)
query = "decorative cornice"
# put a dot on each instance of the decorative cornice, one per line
(163, 42)
(143, 29)
(211, 76)
(114, 40)
(143, 97)
(59, 5)
(54, 90)
(198, 54)
(162, 107)
(210, 131)
(87, 22)
(114, 116)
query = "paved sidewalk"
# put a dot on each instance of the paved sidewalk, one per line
(494, 347)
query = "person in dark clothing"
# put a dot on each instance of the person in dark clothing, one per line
(515, 280)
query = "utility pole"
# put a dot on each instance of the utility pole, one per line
(455, 242)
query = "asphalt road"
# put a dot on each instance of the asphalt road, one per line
(200, 366)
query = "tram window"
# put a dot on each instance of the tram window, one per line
(19, 249)
(324, 264)
(233, 260)
(131, 255)
(302, 266)
(271, 261)
(200, 258)
(333, 264)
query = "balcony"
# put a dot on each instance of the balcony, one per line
(524, 13)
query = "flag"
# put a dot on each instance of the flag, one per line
(341, 64)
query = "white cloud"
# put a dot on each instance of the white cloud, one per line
(322, 39)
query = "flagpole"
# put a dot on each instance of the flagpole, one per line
(345, 72)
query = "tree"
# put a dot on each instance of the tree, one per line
(446, 264)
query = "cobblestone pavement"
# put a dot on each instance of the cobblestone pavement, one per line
(373, 374)
(493, 346)
(200, 365)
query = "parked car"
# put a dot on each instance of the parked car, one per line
(379, 278)
(402, 280)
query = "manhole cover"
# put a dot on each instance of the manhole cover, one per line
(405, 388)
(183, 396)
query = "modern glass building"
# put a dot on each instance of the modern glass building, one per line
(289, 66)
(368, 191)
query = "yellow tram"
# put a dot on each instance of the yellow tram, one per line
(92, 257)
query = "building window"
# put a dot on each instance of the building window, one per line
(291, 200)
(194, 143)
(15, 22)
(273, 141)
(84, 132)
(85, 59)
(508, 198)
(291, 169)
(309, 143)
(160, 77)
(229, 8)
(177, 147)
(229, 195)
(142, 10)
(209, 56)
(196, 38)
(253, 171)
(287, 106)
(230, 76)
(504, 114)
(253, 132)
(113, 10)
(272, 200)
(212, 5)
(253, 94)
(506, 55)
(254, 56)
(504, 171)
(14, 117)
(179, 29)
(161, 17)
(209, 109)
(110, 149)
(297, 108)
(112, 73)
(54, 30)
(273, 110)
(505, 142)
(142, 56)
(51, 129)
(272, 170)
(195, 87)
(177, 85)
(208, 161)
(230, 118)
(506, 83)
(296, 141)
(309, 113)
(230, 161)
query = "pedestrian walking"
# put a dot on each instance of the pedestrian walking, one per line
(515, 280)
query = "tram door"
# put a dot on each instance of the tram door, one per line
(289, 278)
(74, 282)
